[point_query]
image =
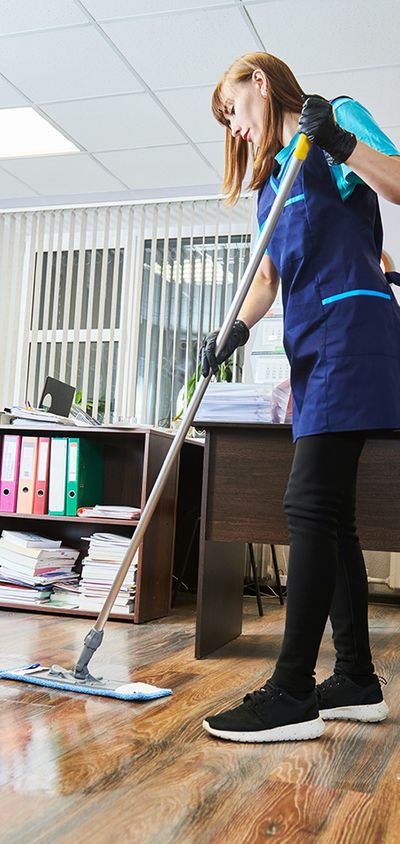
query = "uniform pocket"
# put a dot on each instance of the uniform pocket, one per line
(361, 324)
(291, 238)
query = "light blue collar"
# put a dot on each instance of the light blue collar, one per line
(284, 153)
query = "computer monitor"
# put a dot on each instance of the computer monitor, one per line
(57, 397)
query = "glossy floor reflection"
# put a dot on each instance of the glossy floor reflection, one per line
(75, 768)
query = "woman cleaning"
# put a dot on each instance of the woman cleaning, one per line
(342, 339)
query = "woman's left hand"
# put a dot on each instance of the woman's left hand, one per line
(238, 336)
(317, 121)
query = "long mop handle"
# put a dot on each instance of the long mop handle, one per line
(94, 637)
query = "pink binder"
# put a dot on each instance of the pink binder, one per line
(42, 477)
(9, 473)
(27, 474)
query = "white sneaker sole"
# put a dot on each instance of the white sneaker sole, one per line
(368, 712)
(288, 732)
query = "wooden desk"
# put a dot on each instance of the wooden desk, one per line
(246, 469)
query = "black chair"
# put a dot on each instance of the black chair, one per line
(253, 565)
(256, 578)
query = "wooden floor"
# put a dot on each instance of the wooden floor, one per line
(81, 769)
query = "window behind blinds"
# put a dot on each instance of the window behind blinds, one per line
(116, 300)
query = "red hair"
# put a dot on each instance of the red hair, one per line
(283, 94)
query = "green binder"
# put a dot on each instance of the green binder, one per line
(85, 474)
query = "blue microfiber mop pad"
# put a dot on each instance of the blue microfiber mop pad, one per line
(126, 691)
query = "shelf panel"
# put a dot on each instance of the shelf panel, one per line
(65, 611)
(69, 519)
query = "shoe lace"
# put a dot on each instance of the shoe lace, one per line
(260, 695)
(334, 680)
(339, 679)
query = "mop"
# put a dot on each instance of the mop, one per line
(79, 679)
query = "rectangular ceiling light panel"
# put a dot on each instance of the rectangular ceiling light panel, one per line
(25, 132)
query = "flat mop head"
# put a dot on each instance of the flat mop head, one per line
(61, 678)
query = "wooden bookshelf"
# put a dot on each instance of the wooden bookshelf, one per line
(132, 460)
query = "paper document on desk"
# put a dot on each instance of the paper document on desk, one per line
(224, 402)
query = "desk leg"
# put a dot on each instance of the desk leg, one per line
(220, 595)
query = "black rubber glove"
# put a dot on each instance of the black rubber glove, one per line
(238, 337)
(317, 121)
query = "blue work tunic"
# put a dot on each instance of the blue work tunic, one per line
(341, 319)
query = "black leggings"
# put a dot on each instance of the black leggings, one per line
(326, 572)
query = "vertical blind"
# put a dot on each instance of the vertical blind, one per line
(116, 300)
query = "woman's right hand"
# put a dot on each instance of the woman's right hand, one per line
(317, 121)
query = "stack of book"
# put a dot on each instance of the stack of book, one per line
(106, 552)
(14, 593)
(30, 565)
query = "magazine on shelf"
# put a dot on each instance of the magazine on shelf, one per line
(30, 540)
(27, 555)
(104, 511)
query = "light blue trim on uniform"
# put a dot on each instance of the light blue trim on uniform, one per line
(260, 228)
(355, 293)
(291, 199)
(294, 199)
(286, 161)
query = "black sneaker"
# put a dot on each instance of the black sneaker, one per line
(339, 697)
(270, 714)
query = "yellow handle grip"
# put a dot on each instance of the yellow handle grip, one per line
(302, 148)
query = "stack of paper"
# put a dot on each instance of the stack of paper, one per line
(65, 595)
(106, 552)
(30, 416)
(25, 561)
(17, 594)
(282, 410)
(109, 511)
(224, 402)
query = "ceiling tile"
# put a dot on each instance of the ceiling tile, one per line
(215, 153)
(103, 9)
(63, 174)
(373, 88)
(191, 107)
(24, 15)
(161, 167)
(11, 188)
(314, 36)
(189, 49)
(129, 121)
(64, 64)
(9, 97)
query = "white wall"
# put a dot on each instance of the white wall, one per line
(391, 228)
